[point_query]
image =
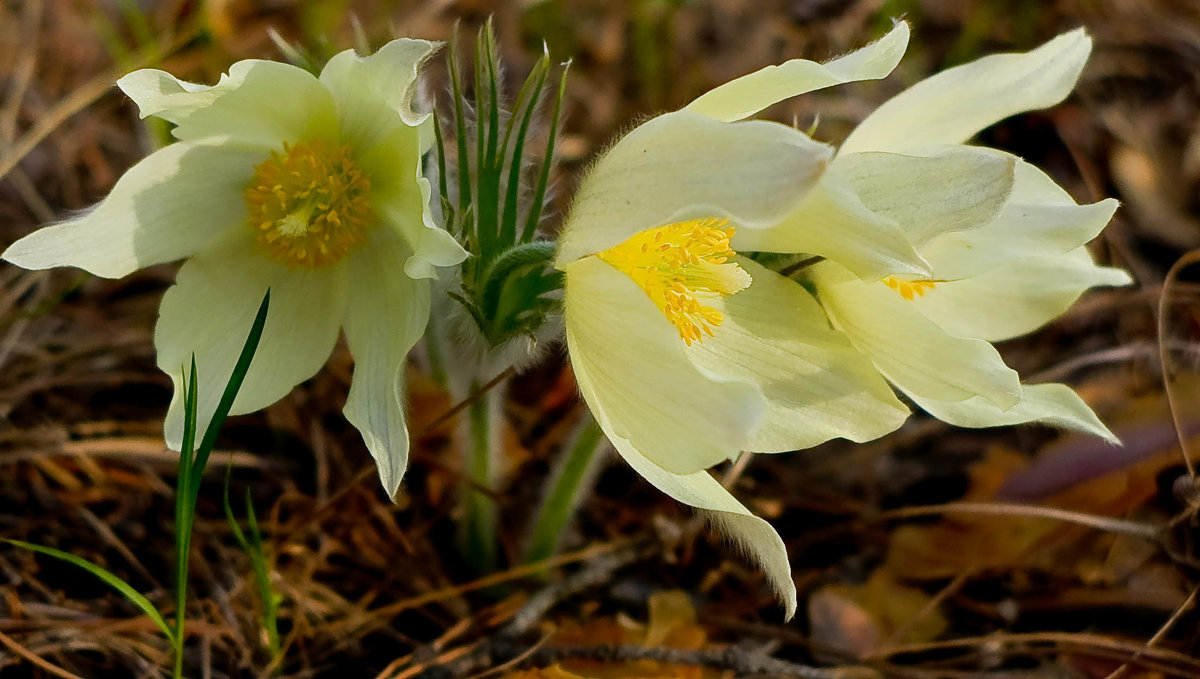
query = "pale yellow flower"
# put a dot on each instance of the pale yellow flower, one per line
(995, 246)
(687, 352)
(310, 186)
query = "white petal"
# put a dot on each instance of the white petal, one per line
(908, 348)
(1051, 404)
(259, 103)
(683, 166)
(386, 314)
(374, 93)
(631, 367)
(700, 490)
(833, 222)
(209, 312)
(1039, 218)
(752, 93)
(817, 386)
(951, 189)
(164, 208)
(952, 106)
(401, 195)
(1015, 299)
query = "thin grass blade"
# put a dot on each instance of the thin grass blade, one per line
(539, 192)
(123, 588)
(231, 390)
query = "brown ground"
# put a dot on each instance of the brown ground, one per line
(373, 588)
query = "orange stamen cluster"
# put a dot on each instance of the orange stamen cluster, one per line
(677, 265)
(910, 289)
(309, 205)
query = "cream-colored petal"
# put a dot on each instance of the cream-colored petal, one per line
(401, 197)
(948, 189)
(631, 367)
(817, 386)
(209, 312)
(374, 93)
(682, 166)
(166, 207)
(952, 106)
(1015, 299)
(386, 313)
(1053, 404)
(1040, 218)
(833, 222)
(260, 104)
(908, 348)
(752, 93)
(700, 490)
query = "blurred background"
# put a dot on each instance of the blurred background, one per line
(372, 588)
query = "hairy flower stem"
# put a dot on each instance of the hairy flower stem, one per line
(477, 538)
(565, 489)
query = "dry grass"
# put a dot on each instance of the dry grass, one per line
(371, 586)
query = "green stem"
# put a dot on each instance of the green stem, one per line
(564, 491)
(478, 537)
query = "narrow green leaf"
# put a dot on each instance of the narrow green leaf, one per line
(487, 122)
(231, 390)
(262, 577)
(122, 587)
(443, 187)
(539, 193)
(254, 550)
(183, 510)
(460, 127)
(527, 102)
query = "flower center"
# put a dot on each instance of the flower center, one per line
(308, 205)
(679, 264)
(911, 288)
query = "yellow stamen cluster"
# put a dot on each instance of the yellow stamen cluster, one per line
(309, 205)
(909, 289)
(677, 265)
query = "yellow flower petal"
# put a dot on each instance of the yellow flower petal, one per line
(682, 166)
(749, 94)
(259, 103)
(374, 93)
(210, 309)
(953, 188)
(1050, 404)
(386, 313)
(1040, 218)
(1015, 298)
(632, 370)
(952, 106)
(700, 490)
(817, 386)
(833, 222)
(908, 348)
(160, 210)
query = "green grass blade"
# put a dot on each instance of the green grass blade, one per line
(527, 102)
(487, 191)
(539, 192)
(262, 578)
(460, 127)
(254, 550)
(231, 390)
(443, 186)
(183, 512)
(122, 587)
